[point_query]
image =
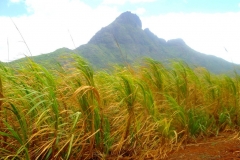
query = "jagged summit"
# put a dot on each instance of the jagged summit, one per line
(128, 18)
(126, 28)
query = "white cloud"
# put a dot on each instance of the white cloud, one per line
(207, 33)
(15, 1)
(117, 2)
(122, 2)
(140, 11)
(141, 1)
(46, 29)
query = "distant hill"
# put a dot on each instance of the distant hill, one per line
(124, 40)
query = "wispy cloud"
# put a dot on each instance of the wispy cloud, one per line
(122, 2)
(116, 2)
(15, 1)
(140, 11)
(46, 28)
(141, 1)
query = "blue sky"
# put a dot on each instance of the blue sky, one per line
(19, 7)
(8, 8)
(207, 26)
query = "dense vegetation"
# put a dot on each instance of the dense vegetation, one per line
(140, 112)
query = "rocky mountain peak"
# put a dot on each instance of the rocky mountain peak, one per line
(128, 18)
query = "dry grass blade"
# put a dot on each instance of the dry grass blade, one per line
(21, 36)
(84, 89)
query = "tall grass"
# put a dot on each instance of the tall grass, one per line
(135, 112)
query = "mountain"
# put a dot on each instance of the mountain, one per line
(124, 40)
